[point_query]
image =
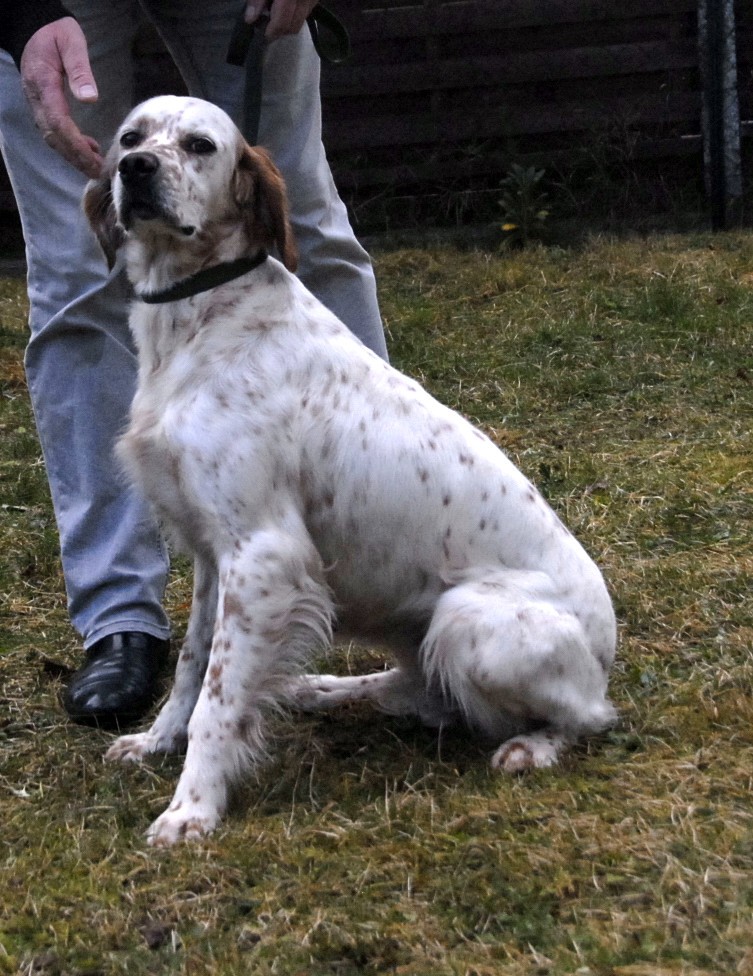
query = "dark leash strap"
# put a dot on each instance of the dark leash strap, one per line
(246, 50)
(329, 35)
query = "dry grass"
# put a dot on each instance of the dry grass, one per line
(619, 378)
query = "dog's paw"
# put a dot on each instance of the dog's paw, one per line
(311, 692)
(524, 752)
(132, 748)
(182, 823)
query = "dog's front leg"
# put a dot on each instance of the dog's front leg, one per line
(169, 732)
(273, 607)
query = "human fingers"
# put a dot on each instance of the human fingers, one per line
(285, 16)
(53, 54)
(74, 54)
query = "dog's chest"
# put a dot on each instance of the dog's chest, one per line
(190, 453)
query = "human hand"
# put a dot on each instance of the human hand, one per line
(56, 53)
(285, 16)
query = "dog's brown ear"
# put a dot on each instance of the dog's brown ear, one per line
(100, 212)
(259, 191)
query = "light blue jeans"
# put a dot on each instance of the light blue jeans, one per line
(80, 361)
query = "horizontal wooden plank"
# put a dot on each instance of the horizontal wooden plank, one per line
(358, 176)
(631, 87)
(475, 16)
(572, 9)
(513, 67)
(509, 120)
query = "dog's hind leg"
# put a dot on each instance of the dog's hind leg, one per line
(398, 691)
(513, 655)
(169, 730)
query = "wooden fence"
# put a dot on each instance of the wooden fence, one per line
(444, 94)
(452, 92)
(538, 71)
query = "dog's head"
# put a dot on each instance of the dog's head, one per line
(179, 172)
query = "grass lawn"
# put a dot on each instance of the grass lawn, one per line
(619, 376)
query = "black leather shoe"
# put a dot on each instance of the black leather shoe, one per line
(119, 681)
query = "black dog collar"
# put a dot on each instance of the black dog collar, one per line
(204, 280)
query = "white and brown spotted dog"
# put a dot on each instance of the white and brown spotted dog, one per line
(311, 481)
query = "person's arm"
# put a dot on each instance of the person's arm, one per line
(56, 53)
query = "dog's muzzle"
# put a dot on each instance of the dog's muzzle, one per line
(139, 175)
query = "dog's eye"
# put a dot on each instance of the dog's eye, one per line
(201, 146)
(130, 139)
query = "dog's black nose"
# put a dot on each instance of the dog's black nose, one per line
(138, 167)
